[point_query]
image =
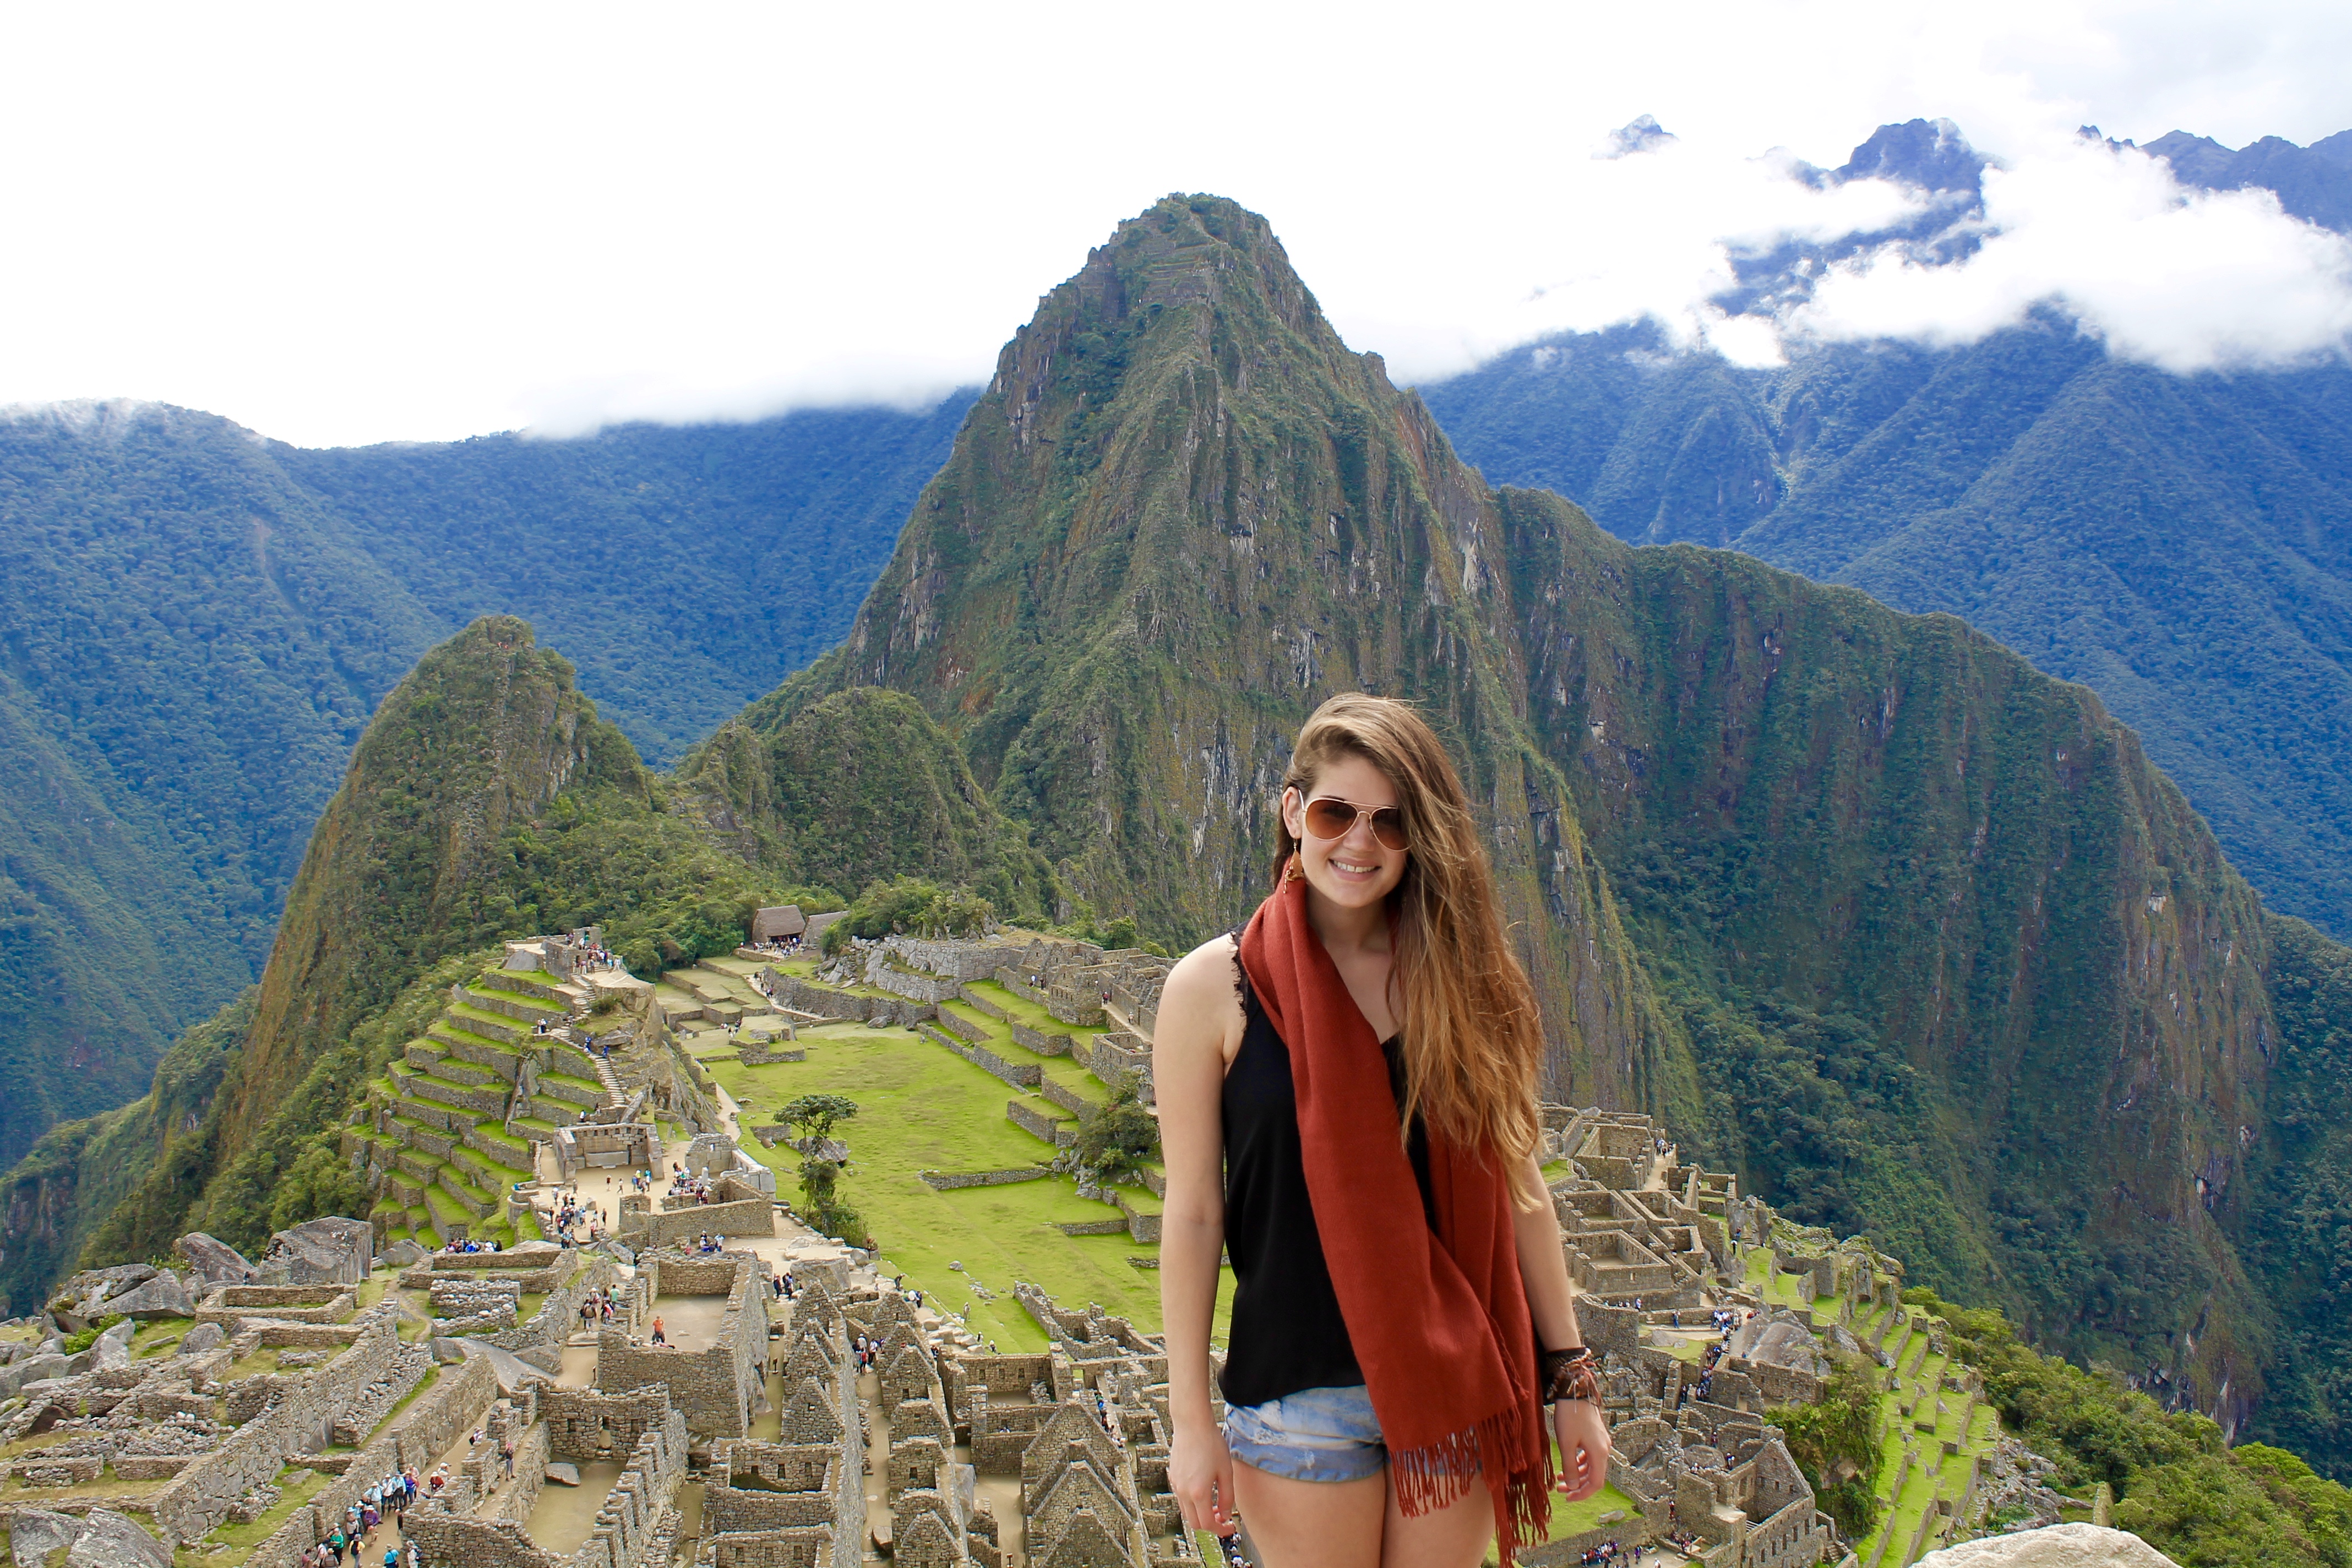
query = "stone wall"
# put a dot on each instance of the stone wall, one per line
(1037, 1124)
(1046, 1045)
(949, 1181)
(589, 1424)
(1023, 1075)
(746, 1216)
(964, 1028)
(1069, 1099)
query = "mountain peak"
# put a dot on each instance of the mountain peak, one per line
(1929, 154)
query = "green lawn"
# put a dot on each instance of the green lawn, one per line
(922, 1108)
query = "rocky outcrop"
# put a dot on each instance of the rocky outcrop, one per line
(213, 1262)
(2056, 1546)
(99, 1538)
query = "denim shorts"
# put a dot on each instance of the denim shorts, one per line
(1314, 1434)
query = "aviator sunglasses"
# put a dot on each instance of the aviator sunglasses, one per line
(1328, 816)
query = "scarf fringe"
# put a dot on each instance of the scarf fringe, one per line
(1439, 1474)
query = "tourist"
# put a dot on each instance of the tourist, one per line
(660, 1338)
(1375, 1336)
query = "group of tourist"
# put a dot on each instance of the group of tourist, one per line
(706, 1244)
(682, 1186)
(353, 1538)
(597, 1308)
(570, 1213)
(468, 1244)
(1608, 1555)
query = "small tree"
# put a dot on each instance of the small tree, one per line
(1118, 1138)
(814, 1115)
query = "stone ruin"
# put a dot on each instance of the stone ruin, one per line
(1082, 1428)
(214, 1390)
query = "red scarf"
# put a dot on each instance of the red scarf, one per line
(1439, 1323)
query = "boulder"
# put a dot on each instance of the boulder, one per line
(112, 1540)
(99, 1538)
(212, 1262)
(401, 1254)
(330, 1251)
(446, 1351)
(112, 1348)
(35, 1534)
(164, 1296)
(17, 1374)
(511, 1370)
(563, 1475)
(2056, 1546)
(202, 1337)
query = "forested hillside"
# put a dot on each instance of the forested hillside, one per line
(2182, 544)
(199, 622)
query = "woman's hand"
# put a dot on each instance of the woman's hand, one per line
(1583, 1448)
(1201, 1474)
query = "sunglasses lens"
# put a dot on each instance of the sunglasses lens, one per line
(1329, 818)
(1388, 826)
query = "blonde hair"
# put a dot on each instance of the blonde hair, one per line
(1472, 1035)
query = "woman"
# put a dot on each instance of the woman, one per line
(1346, 1103)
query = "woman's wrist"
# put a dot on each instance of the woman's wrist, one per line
(1568, 1374)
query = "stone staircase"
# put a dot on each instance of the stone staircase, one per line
(615, 1096)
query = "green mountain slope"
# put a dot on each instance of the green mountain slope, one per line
(2292, 1215)
(1914, 935)
(195, 624)
(2176, 543)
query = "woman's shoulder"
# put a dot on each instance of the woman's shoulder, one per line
(1205, 981)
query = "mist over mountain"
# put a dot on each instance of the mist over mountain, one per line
(2181, 544)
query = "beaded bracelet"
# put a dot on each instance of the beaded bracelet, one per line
(1570, 1374)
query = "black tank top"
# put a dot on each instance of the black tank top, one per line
(1287, 1332)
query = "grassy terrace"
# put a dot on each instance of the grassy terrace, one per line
(921, 1108)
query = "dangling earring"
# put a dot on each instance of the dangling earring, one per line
(1293, 872)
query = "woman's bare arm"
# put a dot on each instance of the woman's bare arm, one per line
(1543, 1268)
(1198, 1031)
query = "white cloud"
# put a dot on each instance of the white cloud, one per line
(367, 223)
(2187, 280)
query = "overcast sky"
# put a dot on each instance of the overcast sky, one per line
(350, 224)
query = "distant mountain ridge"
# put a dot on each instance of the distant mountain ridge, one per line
(196, 623)
(2183, 544)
